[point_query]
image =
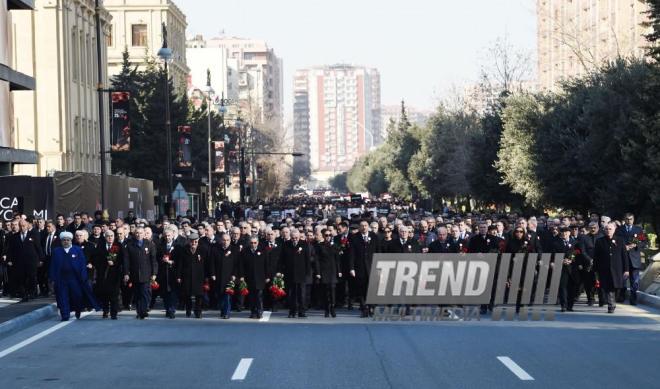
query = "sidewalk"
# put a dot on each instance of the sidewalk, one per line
(15, 315)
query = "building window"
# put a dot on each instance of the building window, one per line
(139, 35)
(108, 38)
(75, 55)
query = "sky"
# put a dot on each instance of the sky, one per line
(423, 48)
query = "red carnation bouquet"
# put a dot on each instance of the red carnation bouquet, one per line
(243, 289)
(639, 238)
(277, 289)
(502, 246)
(229, 288)
(206, 287)
(154, 285)
(112, 254)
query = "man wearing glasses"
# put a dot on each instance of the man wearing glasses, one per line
(631, 234)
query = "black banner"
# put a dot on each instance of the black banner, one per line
(184, 154)
(32, 196)
(383, 210)
(356, 198)
(120, 137)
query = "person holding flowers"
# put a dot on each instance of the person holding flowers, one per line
(107, 262)
(635, 240)
(223, 273)
(253, 271)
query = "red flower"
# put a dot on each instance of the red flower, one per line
(206, 287)
(597, 284)
(229, 291)
(245, 292)
(154, 285)
(465, 250)
(502, 246)
(577, 251)
(114, 249)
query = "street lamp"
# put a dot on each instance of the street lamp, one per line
(165, 54)
(209, 93)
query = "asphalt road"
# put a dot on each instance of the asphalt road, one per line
(586, 349)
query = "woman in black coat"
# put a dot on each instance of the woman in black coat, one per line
(190, 273)
(327, 268)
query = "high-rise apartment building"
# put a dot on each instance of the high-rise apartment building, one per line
(575, 36)
(336, 117)
(246, 71)
(137, 26)
(60, 119)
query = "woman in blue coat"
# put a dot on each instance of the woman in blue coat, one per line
(68, 273)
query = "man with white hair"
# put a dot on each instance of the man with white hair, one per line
(107, 263)
(295, 264)
(610, 264)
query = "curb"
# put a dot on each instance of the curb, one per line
(648, 299)
(28, 319)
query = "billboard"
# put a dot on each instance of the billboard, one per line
(184, 154)
(120, 126)
(219, 157)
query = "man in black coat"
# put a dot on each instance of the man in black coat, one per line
(25, 256)
(632, 236)
(364, 246)
(49, 242)
(273, 253)
(443, 244)
(141, 268)
(587, 244)
(223, 270)
(483, 242)
(167, 277)
(328, 270)
(191, 274)
(253, 270)
(295, 264)
(610, 264)
(568, 283)
(107, 261)
(342, 242)
(405, 243)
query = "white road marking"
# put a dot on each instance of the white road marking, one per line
(515, 369)
(38, 336)
(265, 316)
(242, 369)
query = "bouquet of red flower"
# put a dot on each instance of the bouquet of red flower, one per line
(502, 246)
(154, 285)
(575, 254)
(343, 244)
(229, 288)
(638, 238)
(462, 248)
(112, 254)
(277, 289)
(206, 287)
(243, 289)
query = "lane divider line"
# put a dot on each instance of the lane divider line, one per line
(38, 336)
(242, 369)
(265, 316)
(515, 369)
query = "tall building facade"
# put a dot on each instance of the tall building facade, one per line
(336, 116)
(60, 119)
(137, 27)
(575, 36)
(13, 82)
(246, 71)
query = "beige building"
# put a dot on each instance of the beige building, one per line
(60, 120)
(575, 36)
(137, 26)
(14, 82)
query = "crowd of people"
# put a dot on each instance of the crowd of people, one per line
(296, 254)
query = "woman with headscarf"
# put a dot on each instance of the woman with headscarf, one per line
(68, 274)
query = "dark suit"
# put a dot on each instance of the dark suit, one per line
(344, 291)
(569, 281)
(254, 270)
(169, 287)
(140, 264)
(362, 254)
(108, 278)
(408, 247)
(447, 246)
(327, 261)
(610, 262)
(273, 252)
(49, 243)
(223, 267)
(25, 253)
(295, 265)
(587, 244)
(628, 234)
(190, 270)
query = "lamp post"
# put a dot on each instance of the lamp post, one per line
(165, 54)
(209, 98)
(242, 165)
(99, 88)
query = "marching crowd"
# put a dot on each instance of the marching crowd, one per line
(313, 256)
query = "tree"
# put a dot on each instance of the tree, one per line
(339, 182)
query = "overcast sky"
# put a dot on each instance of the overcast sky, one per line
(421, 47)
